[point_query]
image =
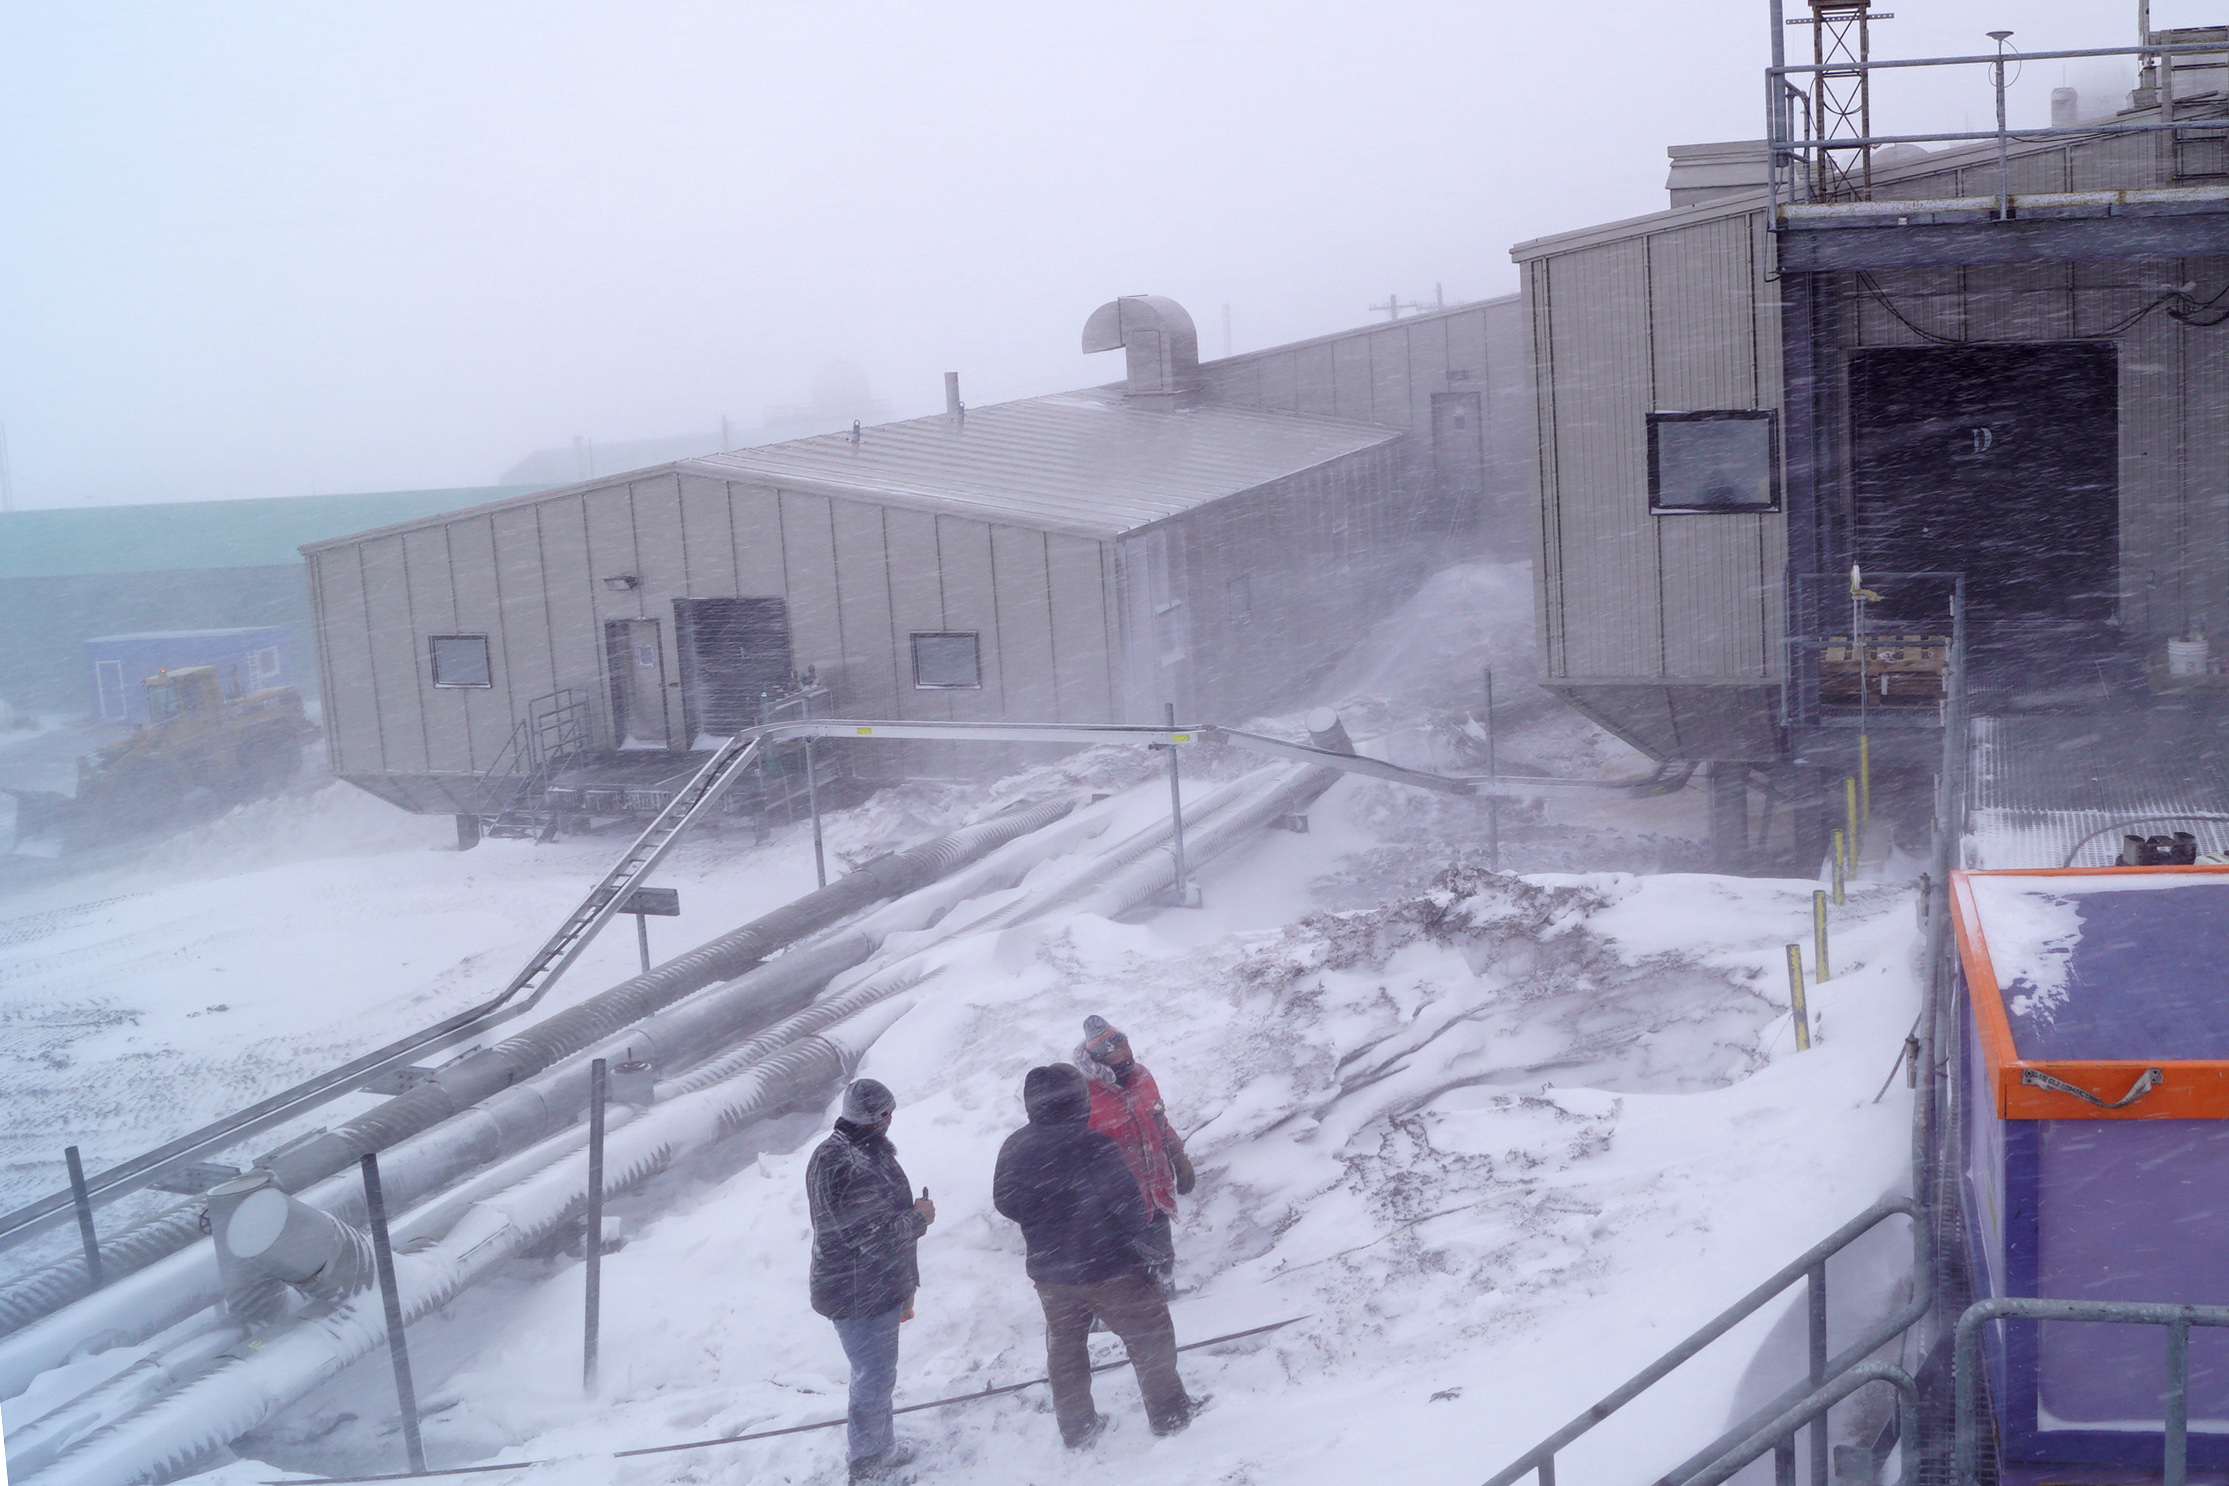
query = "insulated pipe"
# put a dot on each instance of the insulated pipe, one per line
(34, 1444)
(1260, 804)
(1149, 878)
(194, 1422)
(477, 1075)
(142, 1303)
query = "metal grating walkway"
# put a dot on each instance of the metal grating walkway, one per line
(2043, 781)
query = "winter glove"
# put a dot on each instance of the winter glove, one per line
(1184, 1175)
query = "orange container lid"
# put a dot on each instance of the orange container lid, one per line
(2099, 993)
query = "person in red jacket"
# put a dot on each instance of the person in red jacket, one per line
(1126, 1108)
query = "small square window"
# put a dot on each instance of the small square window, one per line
(460, 660)
(1714, 461)
(947, 661)
(264, 663)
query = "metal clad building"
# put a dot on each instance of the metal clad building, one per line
(1081, 557)
(2064, 324)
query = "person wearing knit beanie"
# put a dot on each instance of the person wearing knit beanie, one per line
(866, 1222)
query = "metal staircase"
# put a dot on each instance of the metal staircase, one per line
(554, 729)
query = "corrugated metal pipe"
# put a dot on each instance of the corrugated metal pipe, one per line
(189, 1426)
(477, 1075)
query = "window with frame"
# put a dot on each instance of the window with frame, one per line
(1715, 461)
(460, 660)
(947, 660)
(264, 664)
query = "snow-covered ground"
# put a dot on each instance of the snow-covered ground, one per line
(1495, 1140)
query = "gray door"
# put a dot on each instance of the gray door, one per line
(1459, 457)
(638, 682)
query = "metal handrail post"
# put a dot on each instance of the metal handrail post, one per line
(1812, 1409)
(2004, 140)
(2176, 1424)
(2178, 1319)
(1815, 1298)
(1775, 132)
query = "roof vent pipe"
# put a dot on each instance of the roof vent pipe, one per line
(1162, 347)
(954, 409)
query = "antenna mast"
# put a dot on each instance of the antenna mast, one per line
(1841, 98)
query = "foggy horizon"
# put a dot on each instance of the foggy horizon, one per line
(264, 251)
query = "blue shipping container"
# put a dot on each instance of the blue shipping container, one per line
(246, 660)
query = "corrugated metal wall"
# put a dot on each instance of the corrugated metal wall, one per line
(1389, 373)
(1663, 320)
(859, 579)
(1236, 607)
(2174, 402)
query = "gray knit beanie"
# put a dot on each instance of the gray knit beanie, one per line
(868, 1102)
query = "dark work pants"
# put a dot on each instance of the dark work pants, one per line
(1133, 1309)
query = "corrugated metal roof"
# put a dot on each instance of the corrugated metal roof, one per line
(1086, 463)
(207, 534)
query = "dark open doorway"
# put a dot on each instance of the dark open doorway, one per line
(734, 653)
(2000, 462)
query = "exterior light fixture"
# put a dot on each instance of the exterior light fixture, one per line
(621, 582)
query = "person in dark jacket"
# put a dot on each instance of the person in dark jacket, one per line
(866, 1221)
(1083, 1218)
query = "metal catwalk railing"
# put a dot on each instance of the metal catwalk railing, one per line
(1973, 1412)
(1801, 168)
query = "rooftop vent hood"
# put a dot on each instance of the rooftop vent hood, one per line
(1707, 172)
(1162, 347)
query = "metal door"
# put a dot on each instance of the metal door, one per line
(2002, 463)
(1459, 456)
(638, 682)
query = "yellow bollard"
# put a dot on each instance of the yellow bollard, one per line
(1838, 898)
(1796, 1006)
(1865, 777)
(1854, 838)
(1819, 935)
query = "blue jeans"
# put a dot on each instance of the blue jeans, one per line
(871, 1346)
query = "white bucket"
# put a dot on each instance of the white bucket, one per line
(2186, 657)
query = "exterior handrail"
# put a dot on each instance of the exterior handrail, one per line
(2178, 1319)
(1780, 1432)
(1810, 1266)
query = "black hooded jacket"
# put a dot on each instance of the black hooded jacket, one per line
(864, 1225)
(1068, 1186)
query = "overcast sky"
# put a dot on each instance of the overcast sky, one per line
(284, 248)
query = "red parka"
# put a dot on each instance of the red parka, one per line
(1126, 1108)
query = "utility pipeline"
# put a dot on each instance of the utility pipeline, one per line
(123, 1431)
(477, 1075)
